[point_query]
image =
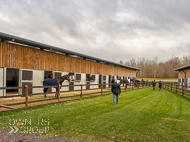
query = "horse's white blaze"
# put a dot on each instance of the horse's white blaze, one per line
(72, 78)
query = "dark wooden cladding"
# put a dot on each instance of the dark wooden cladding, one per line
(14, 56)
(71, 86)
(29, 87)
(27, 75)
(57, 74)
(104, 85)
(87, 85)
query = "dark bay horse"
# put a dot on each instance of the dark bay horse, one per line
(124, 81)
(89, 78)
(55, 81)
(135, 82)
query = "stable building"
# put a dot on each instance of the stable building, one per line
(26, 62)
(184, 76)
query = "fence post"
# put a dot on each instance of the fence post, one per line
(101, 89)
(167, 85)
(171, 86)
(59, 93)
(183, 90)
(125, 86)
(81, 92)
(138, 85)
(26, 95)
(176, 89)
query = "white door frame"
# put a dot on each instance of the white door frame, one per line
(4, 80)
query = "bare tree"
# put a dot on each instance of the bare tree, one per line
(153, 69)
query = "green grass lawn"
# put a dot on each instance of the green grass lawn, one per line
(158, 79)
(141, 115)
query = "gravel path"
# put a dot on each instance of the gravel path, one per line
(5, 136)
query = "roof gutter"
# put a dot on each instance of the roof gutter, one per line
(137, 73)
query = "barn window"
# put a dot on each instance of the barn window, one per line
(179, 80)
(77, 77)
(71, 73)
(113, 77)
(57, 74)
(27, 75)
(87, 77)
(185, 80)
(104, 78)
(90, 77)
(93, 77)
(47, 73)
(182, 79)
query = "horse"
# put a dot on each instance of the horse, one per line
(89, 78)
(124, 81)
(135, 82)
(55, 81)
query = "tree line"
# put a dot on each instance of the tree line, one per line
(154, 69)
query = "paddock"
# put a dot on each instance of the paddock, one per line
(25, 62)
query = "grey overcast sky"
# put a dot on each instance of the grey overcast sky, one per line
(108, 29)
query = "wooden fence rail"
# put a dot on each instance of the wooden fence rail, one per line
(103, 90)
(178, 89)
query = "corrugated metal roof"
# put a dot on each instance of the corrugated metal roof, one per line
(41, 46)
(183, 68)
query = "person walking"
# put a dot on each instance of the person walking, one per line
(116, 90)
(160, 85)
(154, 84)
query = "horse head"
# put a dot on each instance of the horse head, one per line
(71, 77)
(50, 76)
(89, 78)
(68, 78)
(63, 78)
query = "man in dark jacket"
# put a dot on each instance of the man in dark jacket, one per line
(154, 84)
(116, 90)
(160, 85)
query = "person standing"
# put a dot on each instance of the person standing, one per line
(154, 84)
(160, 85)
(116, 90)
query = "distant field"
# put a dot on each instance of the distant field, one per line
(141, 115)
(158, 79)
